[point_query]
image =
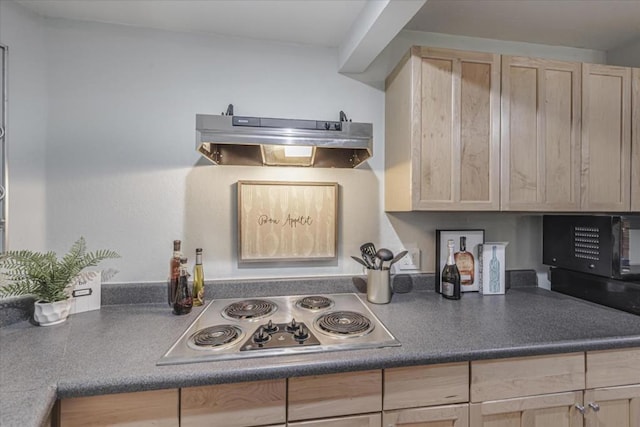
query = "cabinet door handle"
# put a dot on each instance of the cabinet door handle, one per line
(580, 409)
(594, 406)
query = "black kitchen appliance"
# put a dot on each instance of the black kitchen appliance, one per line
(594, 257)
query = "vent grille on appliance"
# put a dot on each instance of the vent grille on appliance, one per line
(586, 243)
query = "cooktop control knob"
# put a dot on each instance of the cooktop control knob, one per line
(292, 326)
(270, 327)
(261, 336)
(301, 333)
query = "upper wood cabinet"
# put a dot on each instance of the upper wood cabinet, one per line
(442, 134)
(540, 134)
(635, 141)
(606, 138)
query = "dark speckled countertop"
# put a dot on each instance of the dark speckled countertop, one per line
(115, 349)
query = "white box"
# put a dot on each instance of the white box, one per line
(86, 292)
(492, 268)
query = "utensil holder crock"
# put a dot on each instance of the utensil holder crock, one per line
(378, 286)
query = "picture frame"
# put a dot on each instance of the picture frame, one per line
(474, 238)
(287, 221)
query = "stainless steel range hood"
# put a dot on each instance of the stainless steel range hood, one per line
(256, 141)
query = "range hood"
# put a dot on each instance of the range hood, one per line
(259, 141)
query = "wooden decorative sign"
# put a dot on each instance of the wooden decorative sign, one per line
(287, 221)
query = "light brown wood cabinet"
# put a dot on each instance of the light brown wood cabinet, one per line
(477, 131)
(635, 141)
(437, 416)
(557, 410)
(430, 385)
(613, 406)
(333, 395)
(256, 403)
(536, 391)
(540, 134)
(606, 138)
(442, 134)
(526, 376)
(367, 420)
(158, 408)
(592, 389)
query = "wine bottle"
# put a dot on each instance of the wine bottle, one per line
(494, 272)
(183, 299)
(174, 272)
(198, 280)
(465, 263)
(450, 277)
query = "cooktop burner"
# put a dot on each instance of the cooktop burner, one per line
(315, 302)
(215, 337)
(344, 323)
(249, 309)
(277, 326)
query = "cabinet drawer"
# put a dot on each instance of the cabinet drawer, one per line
(367, 420)
(241, 404)
(613, 367)
(157, 408)
(414, 386)
(335, 394)
(526, 376)
(439, 416)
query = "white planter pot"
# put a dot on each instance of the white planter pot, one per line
(51, 313)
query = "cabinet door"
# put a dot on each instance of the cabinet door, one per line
(255, 403)
(616, 406)
(606, 138)
(457, 131)
(540, 134)
(368, 420)
(550, 410)
(635, 142)
(146, 408)
(437, 416)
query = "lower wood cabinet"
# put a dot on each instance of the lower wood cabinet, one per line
(550, 410)
(332, 395)
(613, 406)
(415, 386)
(437, 416)
(592, 389)
(367, 420)
(526, 376)
(256, 403)
(158, 408)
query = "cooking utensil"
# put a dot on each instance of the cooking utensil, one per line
(360, 261)
(368, 248)
(368, 252)
(383, 255)
(397, 258)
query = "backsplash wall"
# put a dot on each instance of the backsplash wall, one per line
(121, 167)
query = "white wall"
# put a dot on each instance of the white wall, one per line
(23, 32)
(123, 170)
(627, 55)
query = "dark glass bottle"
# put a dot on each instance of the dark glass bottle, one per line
(450, 277)
(174, 272)
(183, 301)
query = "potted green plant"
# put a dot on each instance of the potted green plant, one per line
(48, 278)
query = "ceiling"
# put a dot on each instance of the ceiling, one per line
(361, 29)
(590, 24)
